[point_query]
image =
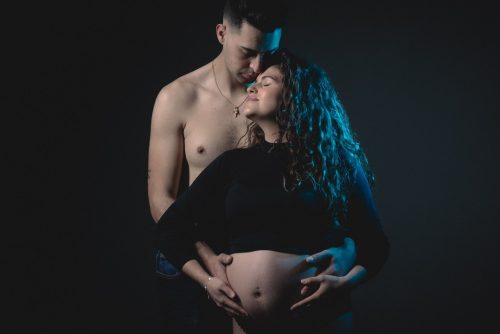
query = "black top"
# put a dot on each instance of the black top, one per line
(239, 204)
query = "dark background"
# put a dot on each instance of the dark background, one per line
(419, 81)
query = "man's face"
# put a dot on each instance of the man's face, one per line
(244, 48)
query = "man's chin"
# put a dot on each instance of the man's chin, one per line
(247, 79)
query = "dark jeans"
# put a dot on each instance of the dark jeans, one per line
(183, 304)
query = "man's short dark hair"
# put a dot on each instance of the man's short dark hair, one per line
(263, 15)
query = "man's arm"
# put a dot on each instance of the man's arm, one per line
(166, 149)
(215, 264)
(216, 289)
(197, 215)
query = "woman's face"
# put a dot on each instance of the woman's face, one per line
(265, 96)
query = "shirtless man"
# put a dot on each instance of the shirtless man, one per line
(197, 117)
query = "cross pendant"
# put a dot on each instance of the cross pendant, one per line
(236, 111)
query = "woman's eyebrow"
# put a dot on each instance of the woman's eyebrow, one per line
(269, 76)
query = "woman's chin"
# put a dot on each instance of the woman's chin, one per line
(248, 113)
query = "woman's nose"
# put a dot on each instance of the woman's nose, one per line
(252, 88)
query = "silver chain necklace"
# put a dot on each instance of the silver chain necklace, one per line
(236, 109)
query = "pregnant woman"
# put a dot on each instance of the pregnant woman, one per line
(301, 186)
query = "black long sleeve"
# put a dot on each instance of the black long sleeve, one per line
(372, 245)
(197, 214)
(239, 204)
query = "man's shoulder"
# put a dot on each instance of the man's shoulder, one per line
(187, 87)
(179, 91)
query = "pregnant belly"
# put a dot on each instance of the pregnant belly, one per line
(268, 282)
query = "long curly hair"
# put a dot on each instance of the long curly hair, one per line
(316, 129)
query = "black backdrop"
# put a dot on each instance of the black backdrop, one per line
(418, 79)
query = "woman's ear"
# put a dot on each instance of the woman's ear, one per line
(220, 30)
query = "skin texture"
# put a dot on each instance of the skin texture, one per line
(268, 283)
(264, 99)
(191, 118)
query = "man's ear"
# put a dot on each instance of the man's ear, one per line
(220, 30)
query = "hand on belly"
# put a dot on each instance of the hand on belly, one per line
(268, 282)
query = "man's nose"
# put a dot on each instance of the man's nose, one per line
(256, 64)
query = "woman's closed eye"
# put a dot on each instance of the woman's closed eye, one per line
(266, 82)
(261, 83)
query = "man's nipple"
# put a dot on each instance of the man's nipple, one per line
(200, 149)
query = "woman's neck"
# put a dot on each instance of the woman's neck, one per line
(271, 131)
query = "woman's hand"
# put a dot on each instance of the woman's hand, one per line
(223, 296)
(328, 284)
(339, 260)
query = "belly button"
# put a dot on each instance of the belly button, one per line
(257, 293)
(200, 149)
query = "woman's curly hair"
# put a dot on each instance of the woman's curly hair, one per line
(314, 125)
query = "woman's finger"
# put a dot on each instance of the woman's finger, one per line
(306, 300)
(319, 257)
(312, 280)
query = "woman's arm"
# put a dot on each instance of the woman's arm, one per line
(197, 214)
(363, 220)
(341, 258)
(372, 246)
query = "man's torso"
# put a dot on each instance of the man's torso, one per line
(211, 127)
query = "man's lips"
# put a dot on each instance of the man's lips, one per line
(250, 77)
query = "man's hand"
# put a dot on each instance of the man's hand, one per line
(224, 297)
(336, 261)
(217, 266)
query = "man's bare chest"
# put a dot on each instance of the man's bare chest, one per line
(208, 134)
